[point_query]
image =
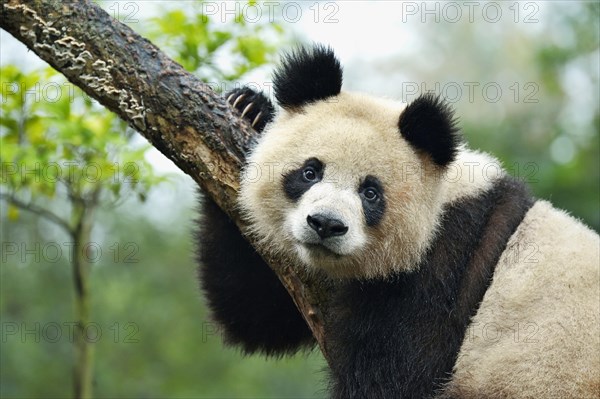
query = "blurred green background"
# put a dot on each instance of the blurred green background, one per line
(151, 333)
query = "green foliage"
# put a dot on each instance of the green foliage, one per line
(156, 339)
(196, 41)
(58, 149)
(545, 126)
(570, 164)
(66, 148)
(53, 135)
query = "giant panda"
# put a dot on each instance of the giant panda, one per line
(451, 280)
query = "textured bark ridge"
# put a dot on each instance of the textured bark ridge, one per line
(176, 112)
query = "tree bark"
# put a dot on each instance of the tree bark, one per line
(181, 116)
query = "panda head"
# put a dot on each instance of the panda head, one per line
(344, 182)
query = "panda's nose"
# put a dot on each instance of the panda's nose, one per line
(326, 226)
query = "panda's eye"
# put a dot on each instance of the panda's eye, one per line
(309, 174)
(370, 194)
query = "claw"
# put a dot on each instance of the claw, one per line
(237, 100)
(230, 97)
(256, 119)
(248, 108)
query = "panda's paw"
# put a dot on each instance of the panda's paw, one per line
(255, 107)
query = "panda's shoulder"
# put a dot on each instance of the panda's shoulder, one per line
(543, 298)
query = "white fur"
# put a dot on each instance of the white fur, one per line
(326, 198)
(354, 135)
(471, 174)
(537, 331)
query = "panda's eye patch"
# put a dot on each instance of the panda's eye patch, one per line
(373, 201)
(299, 181)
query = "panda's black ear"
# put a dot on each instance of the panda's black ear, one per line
(307, 75)
(428, 124)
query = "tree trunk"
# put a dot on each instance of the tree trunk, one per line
(82, 216)
(176, 112)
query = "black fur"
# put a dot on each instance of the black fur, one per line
(261, 106)
(307, 75)
(428, 124)
(399, 337)
(295, 183)
(373, 210)
(244, 295)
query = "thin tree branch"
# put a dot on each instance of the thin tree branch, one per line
(37, 210)
(176, 112)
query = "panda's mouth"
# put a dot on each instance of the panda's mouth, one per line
(320, 249)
